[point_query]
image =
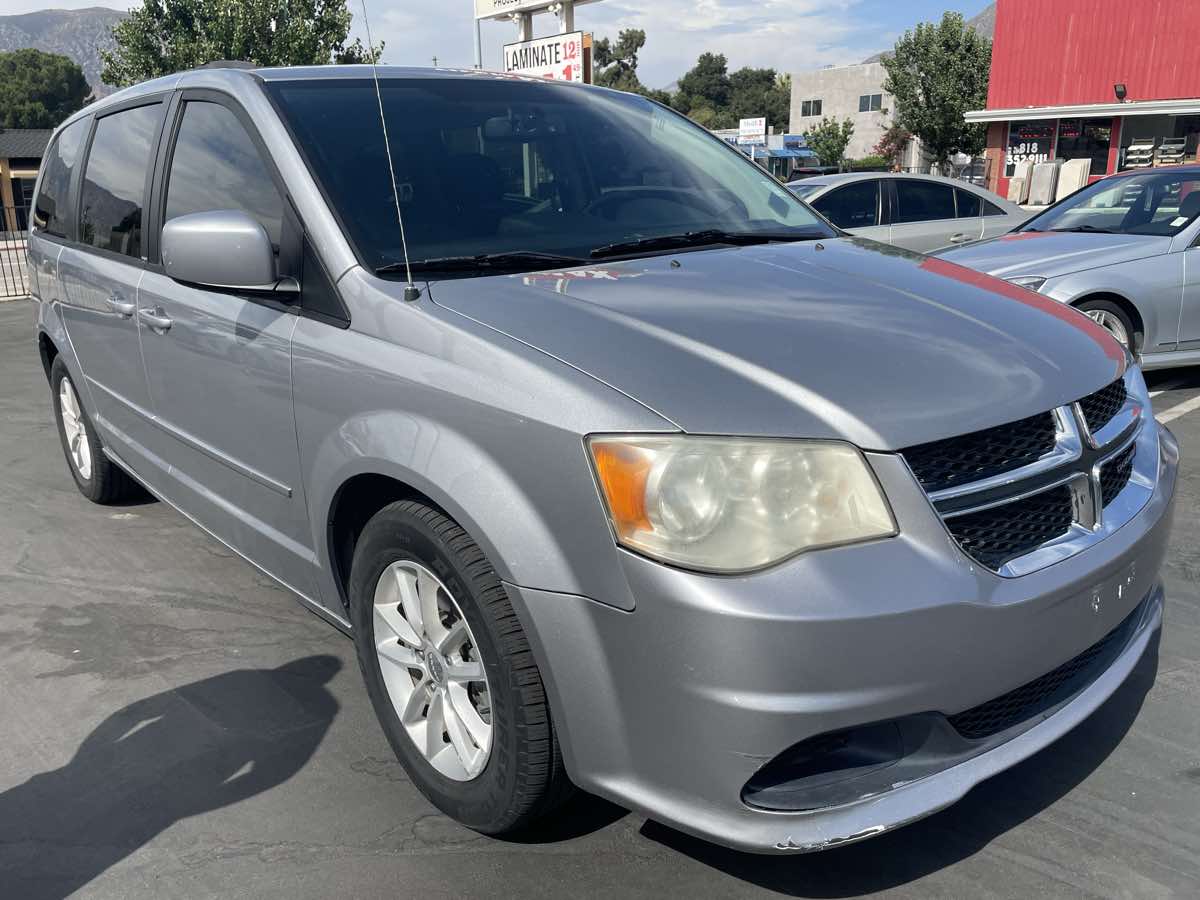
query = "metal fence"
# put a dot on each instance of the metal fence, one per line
(976, 171)
(14, 230)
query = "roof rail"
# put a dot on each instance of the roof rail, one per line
(229, 64)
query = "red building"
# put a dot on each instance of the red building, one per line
(1114, 80)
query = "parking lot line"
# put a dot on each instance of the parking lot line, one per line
(1174, 412)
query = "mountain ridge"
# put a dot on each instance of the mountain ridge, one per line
(79, 34)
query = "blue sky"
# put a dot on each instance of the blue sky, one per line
(788, 35)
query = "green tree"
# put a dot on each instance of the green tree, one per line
(614, 64)
(828, 139)
(162, 37)
(891, 145)
(706, 87)
(39, 90)
(937, 73)
(760, 92)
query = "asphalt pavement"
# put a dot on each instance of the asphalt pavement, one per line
(176, 725)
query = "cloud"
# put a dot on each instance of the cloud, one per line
(787, 35)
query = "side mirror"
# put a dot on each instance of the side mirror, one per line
(225, 249)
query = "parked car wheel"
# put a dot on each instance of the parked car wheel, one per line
(98, 478)
(1111, 318)
(450, 672)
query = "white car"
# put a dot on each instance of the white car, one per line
(917, 212)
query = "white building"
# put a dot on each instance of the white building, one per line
(845, 92)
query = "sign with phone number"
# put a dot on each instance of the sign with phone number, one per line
(559, 58)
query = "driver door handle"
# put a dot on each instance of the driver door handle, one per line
(155, 318)
(959, 238)
(123, 308)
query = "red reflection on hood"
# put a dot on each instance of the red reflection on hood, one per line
(995, 285)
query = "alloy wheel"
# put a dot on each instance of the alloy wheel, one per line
(432, 669)
(1110, 323)
(78, 446)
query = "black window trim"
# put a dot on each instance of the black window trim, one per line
(138, 262)
(162, 169)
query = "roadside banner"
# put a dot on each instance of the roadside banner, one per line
(560, 57)
(752, 131)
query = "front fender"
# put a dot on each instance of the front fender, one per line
(489, 429)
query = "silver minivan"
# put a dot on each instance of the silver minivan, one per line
(623, 469)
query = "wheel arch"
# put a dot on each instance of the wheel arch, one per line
(47, 351)
(1125, 304)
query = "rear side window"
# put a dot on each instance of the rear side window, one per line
(991, 209)
(853, 206)
(114, 182)
(923, 201)
(216, 166)
(52, 208)
(968, 203)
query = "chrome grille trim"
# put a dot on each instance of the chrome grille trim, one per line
(1077, 461)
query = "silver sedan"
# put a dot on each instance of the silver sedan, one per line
(917, 212)
(1121, 250)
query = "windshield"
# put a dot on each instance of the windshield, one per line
(802, 189)
(490, 166)
(1156, 203)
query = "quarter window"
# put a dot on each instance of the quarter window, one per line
(52, 209)
(216, 166)
(114, 182)
(923, 201)
(853, 206)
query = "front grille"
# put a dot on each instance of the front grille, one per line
(1114, 474)
(981, 454)
(1041, 694)
(1100, 407)
(1002, 533)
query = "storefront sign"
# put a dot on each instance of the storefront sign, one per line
(559, 57)
(752, 131)
(1028, 141)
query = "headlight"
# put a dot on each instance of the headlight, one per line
(1032, 282)
(734, 504)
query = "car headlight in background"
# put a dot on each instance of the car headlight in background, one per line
(1032, 282)
(735, 504)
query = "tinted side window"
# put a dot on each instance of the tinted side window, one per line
(968, 203)
(114, 182)
(923, 201)
(853, 206)
(217, 166)
(52, 209)
(991, 209)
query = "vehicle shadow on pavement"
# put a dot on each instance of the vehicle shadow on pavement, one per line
(917, 850)
(177, 754)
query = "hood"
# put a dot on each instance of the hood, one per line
(1051, 253)
(841, 339)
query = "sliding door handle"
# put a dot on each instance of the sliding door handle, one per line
(123, 308)
(155, 318)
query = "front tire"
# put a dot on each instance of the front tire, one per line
(450, 672)
(97, 477)
(1112, 319)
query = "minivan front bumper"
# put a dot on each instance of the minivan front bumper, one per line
(673, 708)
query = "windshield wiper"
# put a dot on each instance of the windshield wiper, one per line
(700, 239)
(1089, 229)
(512, 260)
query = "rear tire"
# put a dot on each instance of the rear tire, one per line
(518, 776)
(97, 477)
(1112, 319)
